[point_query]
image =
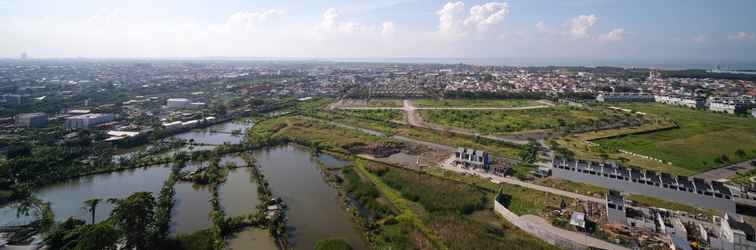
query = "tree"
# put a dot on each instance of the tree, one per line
(33, 206)
(101, 236)
(740, 153)
(135, 216)
(529, 152)
(91, 206)
(60, 237)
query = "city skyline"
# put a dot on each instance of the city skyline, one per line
(584, 32)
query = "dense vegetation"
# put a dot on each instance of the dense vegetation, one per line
(466, 223)
(334, 244)
(436, 195)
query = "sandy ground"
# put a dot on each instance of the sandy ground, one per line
(253, 238)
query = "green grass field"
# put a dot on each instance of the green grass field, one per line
(703, 141)
(505, 121)
(384, 103)
(478, 103)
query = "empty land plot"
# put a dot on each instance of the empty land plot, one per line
(477, 103)
(703, 141)
(507, 121)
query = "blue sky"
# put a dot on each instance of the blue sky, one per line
(694, 30)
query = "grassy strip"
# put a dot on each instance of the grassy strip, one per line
(447, 138)
(703, 141)
(477, 103)
(406, 213)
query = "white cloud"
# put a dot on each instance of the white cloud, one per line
(579, 27)
(540, 26)
(742, 35)
(249, 21)
(614, 35)
(331, 23)
(449, 17)
(453, 21)
(483, 16)
(388, 29)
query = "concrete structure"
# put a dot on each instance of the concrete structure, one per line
(31, 120)
(177, 103)
(698, 192)
(730, 108)
(735, 234)
(678, 235)
(731, 105)
(471, 158)
(624, 97)
(86, 121)
(615, 208)
(690, 102)
(753, 112)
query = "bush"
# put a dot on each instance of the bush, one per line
(334, 244)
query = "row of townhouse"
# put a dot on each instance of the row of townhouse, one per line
(697, 192)
(624, 97)
(731, 105)
(690, 102)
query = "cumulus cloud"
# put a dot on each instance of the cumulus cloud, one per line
(486, 15)
(481, 18)
(249, 21)
(742, 35)
(579, 27)
(449, 17)
(614, 35)
(331, 23)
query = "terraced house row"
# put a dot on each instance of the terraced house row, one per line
(695, 191)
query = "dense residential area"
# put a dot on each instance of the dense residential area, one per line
(253, 154)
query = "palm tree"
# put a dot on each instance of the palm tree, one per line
(91, 206)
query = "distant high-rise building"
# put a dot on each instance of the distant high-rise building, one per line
(24, 56)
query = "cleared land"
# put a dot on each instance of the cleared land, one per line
(476, 103)
(427, 199)
(500, 121)
(703, 141)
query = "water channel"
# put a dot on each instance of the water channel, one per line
(314, 207)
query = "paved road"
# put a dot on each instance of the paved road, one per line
(569, 235)
(499, 179)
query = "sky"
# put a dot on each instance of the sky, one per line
(584, 30)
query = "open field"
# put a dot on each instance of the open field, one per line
(309, 132)
(390, 103)
(703, 141)
(445, 218)
(448, 138)
(507, 121)
(476, 103)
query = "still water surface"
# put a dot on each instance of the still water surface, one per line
(292, 172)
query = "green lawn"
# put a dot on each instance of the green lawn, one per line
(703, 141)
(478, 103)
(506, 121)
